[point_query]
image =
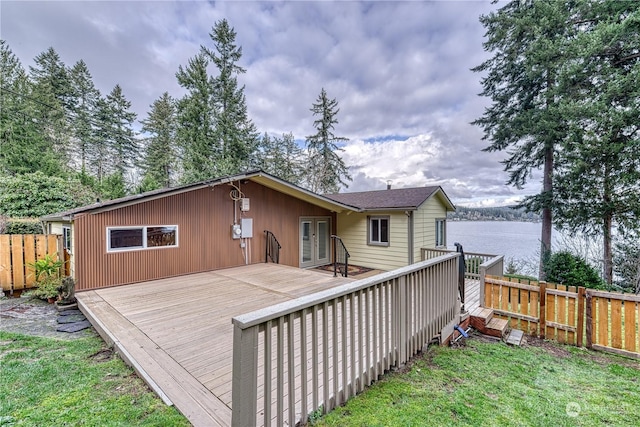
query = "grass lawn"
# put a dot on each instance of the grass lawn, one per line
(50, 382)
(492, 384)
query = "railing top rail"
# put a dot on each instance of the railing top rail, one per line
(466, 254)
(257, 317)
(493, 261)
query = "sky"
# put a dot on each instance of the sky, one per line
(400, 71)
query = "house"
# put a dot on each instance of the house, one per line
(221, 223)
(392, 225)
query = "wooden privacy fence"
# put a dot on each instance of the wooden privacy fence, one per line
(314, 352)
(608, 321)
(17, 251)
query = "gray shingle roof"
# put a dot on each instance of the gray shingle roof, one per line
(399, 198)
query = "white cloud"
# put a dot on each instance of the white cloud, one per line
(399, 70)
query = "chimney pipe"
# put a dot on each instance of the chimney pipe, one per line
(388, 184)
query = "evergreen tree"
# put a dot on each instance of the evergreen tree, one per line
(325, 171)
(52, 95)
(527, 39)
(599, 185)
(84, 97)
(159, 161)
(237, 134)
(22, 147)
(195, 117)
(281, 157)
(122, 137)
(99, 159)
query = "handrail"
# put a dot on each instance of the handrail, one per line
(340, 252)
(315, 352)
(272, 249)
(472, 260)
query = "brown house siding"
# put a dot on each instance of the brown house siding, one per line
(204, 219)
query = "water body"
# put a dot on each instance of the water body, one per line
(519, 241)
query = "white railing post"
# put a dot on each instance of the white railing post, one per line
(403, 318)
(244, 392)
(483, 272)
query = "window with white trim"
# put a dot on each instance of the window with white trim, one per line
(143, 237)
(441, 227)
(378, 230)
(66, 238)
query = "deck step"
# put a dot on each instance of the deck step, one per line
(496, 328)
(480, 318)
(515, 337)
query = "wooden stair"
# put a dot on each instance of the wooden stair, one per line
(483, 321)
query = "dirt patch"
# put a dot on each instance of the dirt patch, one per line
(31, 316)
(102, 355)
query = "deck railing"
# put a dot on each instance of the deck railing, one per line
(313, 353)
(340, 257)
(272, 250)
(472, 260)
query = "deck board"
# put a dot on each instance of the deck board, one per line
(178, 335)
(179, 330)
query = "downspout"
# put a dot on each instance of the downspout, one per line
(410, 248)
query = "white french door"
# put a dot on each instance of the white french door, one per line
(315, 234)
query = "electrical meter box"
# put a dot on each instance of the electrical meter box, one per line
(244, 205)
(247, 227)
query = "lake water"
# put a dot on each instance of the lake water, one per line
(519, 241)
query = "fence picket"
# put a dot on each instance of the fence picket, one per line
(631, 325)
(616, 323)
(18, 252)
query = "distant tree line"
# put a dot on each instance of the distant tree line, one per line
(67, 144)
(500, 213)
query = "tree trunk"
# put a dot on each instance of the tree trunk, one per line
(547, 191)
(607, 255)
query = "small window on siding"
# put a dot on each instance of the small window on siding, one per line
(132, 238)
(441, 232)
(378, 230)
(66, 238)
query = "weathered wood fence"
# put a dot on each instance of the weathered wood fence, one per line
(17, 251)
(313, 353)
(608, 321)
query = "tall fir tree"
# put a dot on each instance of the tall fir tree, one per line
(237, 134)
(159, 162)
(281, 156)
(22, 147)
(326, 170)
(598, 186)
(195, 119)
(52, 94)
(527, 39)
(124, 146)
(84, 97)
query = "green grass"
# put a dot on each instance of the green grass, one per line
(50, 382)
(492, 384)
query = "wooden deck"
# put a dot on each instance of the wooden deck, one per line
(471, 294)
(177, 332)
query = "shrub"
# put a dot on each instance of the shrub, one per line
(571, 270)
(23, 226)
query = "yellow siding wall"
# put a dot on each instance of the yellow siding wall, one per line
(56, 228)
(424, 218)
(352, 229)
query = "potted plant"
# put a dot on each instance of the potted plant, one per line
(66, 294)
(48, 288)
(47, 273)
